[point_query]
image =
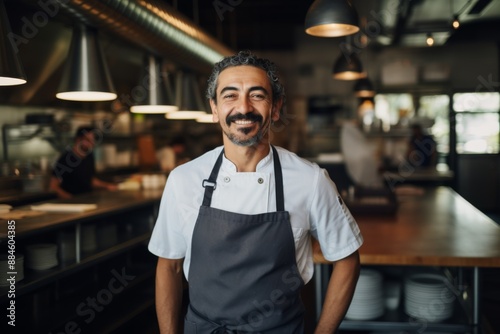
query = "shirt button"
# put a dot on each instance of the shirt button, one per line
(260, 180)
(227, 179)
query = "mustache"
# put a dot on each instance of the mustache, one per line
(247, 117)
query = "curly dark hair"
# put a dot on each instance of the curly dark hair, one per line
(246, 58)
(83, 130)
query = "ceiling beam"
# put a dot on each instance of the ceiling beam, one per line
(404, 11)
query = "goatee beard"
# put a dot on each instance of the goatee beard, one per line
(249, 141)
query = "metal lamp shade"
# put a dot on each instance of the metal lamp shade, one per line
(86, 75)
(205, 118)
(187, 98)
(348, 68)
(364, 88)
(154, 93)
(11, 70)
(331, 18)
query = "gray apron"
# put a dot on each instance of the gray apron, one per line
(243, 276)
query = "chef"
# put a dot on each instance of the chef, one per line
(74, 171)
(237, 221)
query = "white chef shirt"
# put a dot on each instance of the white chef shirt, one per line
(311, 198)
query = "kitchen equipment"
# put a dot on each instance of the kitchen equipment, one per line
(63, 207)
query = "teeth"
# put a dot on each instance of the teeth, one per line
(242, 122)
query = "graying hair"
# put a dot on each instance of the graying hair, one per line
(246, 58)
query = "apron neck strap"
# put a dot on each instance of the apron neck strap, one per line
(278, 179)
(211, 183)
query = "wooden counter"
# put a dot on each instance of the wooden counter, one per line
(436, 228)
(107, 203)
(105, 242)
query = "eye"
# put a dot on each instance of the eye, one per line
(258, 96)
(229, 96)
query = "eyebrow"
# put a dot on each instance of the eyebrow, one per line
(254, 88)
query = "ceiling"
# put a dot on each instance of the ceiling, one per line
(257, 25)
(270, 24)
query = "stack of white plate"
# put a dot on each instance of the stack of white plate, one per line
(89, 238)
(5, 269)
(41, 256)
(368, 300)
(428, 297)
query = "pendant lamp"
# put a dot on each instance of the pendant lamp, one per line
(205, 118)
(154, 93)
(187, 97)
(348, 68)
(364, 88)
(11, 70)
(86, 75)
(331, 18)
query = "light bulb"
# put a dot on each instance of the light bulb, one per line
(430, 40)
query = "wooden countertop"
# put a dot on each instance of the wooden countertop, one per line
(436, 228)
(107, 203)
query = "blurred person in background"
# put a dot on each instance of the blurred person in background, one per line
(421, 148)
(74, 171)
(174, 154)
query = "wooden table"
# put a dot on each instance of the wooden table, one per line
(435, 228)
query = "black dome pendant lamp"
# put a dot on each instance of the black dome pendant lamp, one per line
(331, 18)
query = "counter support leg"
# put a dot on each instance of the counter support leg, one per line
(318, 289)
(77, 242)
(476, 309)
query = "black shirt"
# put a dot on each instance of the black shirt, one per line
(75, 173)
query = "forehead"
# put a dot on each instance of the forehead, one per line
(243, 75)
(88, 136)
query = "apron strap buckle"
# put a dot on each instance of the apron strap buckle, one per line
(208, 183)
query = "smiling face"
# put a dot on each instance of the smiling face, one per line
(244, 105)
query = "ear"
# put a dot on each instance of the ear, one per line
(275, 112)
(215, 114)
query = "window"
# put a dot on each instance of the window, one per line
(436, 108)
(394, 109)
(477, 122)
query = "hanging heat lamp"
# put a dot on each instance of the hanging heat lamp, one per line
(348, 68)
(155, 95)
(86, 75)
(364, 88)
(187, 97)
(331, 18)
(11, 70)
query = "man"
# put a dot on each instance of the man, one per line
(246, 251)
(173, 155)
(74, 171)
(421, 148)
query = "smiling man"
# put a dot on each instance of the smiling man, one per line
(237, 221)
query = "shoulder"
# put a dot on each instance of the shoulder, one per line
(291, 162)
(196, 169)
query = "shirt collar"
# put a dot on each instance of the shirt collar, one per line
(229, 166)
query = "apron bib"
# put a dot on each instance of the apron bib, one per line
(243, 276)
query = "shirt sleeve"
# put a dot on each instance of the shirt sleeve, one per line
(167, 240)
(331, 222)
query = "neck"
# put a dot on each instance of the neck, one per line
(245, 158)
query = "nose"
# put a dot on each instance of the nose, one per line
(244, 105)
